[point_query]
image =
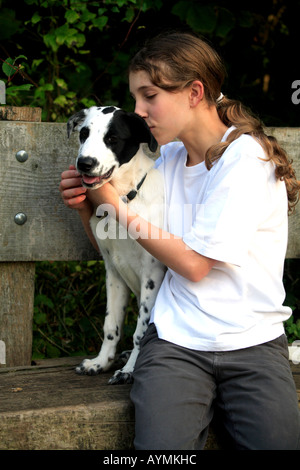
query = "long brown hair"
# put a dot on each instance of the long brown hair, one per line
(174, 60)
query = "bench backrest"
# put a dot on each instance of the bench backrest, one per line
(52, 231)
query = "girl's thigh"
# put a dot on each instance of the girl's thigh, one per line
(257, 397)
(172, 394)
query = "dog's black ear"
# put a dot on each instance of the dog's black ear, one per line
(141, 130)
(75, 120)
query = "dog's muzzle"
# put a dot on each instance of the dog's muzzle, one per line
(86, 165)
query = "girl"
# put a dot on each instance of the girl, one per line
(216, 337)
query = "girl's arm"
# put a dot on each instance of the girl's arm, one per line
(169, 249)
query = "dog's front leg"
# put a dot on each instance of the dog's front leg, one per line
(117, 299)
(124, 375)
(149, 289)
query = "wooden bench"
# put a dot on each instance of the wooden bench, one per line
(47, 406)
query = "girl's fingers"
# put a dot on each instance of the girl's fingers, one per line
(73, 192)
(71, 173)
(76, 201)
(71, 183)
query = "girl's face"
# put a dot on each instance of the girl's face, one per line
(165, 112)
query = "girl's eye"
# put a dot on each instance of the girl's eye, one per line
(149, 97)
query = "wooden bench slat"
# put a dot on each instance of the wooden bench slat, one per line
(52, 231)
(49, 407)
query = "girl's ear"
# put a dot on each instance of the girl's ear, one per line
(196, 93)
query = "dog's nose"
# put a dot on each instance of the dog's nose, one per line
(86, 164)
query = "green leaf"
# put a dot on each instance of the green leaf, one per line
(61, 83)
(46, 87)
(87, 16)
(52, 351)
(202, 18)
(91, 263)
(129, 15)
(226, 22)
(8, 67)
(41, 299)
(61, 101)
(63, 33)
(8, 23)
(36, 18)
(181, 9)
(71, 16)
(40, 318)
(100, 22)
(20, 57)
(69, 321)
(13, 90)
(50, 41)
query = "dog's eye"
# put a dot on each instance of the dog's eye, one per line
(83, 134)
(112, 139)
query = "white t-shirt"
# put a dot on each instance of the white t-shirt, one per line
(236, 213)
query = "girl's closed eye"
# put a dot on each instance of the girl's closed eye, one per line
(149, 97)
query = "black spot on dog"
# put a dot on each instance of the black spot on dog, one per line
(110, 337)
(83, 134)
(145, 308)
(150, 284)
(125, 133)
(117, 331)
(109, 109)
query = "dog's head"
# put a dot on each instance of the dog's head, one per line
(109, 137)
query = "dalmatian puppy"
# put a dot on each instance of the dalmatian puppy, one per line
(110, 149)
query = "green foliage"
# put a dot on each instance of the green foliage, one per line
(292, 287)
(63, 55)
(69, 310)
(292, 328)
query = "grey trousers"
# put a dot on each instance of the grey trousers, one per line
(177, 390)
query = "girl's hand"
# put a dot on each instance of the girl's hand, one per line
(106, 194)
(72, 191)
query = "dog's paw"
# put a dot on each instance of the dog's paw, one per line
(124, 356)
(120, 377)
(88, 367)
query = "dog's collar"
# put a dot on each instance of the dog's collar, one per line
(131, 195)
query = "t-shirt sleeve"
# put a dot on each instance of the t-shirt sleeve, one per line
(236, 200)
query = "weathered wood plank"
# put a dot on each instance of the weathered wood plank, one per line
(16, 311)
(59, 410)
(289, 138)
(17, 284)
(52, 231)
(52, 408)
(49, 407)
(26, 113)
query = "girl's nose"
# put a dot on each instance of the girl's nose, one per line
(139, 109)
